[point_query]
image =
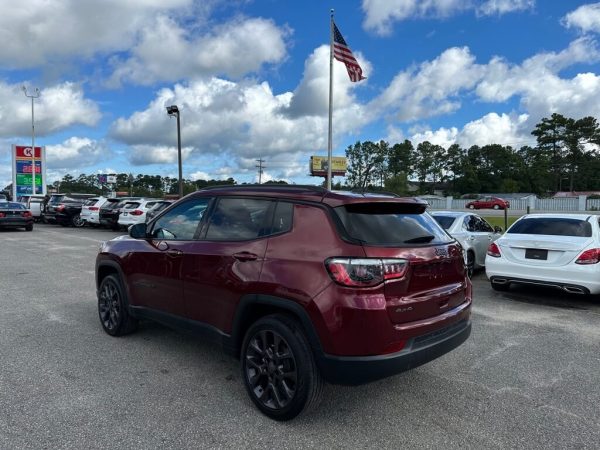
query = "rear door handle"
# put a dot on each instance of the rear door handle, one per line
(245, 256)
(174, 253)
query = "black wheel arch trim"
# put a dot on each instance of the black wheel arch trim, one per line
(117, 267)
(244, 308)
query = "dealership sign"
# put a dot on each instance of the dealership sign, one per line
(318, 165)
(25, 164)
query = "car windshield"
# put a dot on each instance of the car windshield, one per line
(445, 221)
(553, 226)
(390, 224)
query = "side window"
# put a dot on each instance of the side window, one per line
(283, 217)
(471, 223)
(239, 219)
(484, 226)
(181, 222)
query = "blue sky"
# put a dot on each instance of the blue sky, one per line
(251, 78)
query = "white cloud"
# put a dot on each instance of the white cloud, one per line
(433, 87)
(36, 32)
(76, 152)
(243, 119)
(499, 7)
(380, 15)
(436, 87)
(57, 108)
(586, 18)
(167, 51)
(538, 83)
(493, 128)
(156, 154)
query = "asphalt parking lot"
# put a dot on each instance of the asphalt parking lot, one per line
(529, 376)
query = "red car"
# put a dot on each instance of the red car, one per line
(304, 285)
(488, 203)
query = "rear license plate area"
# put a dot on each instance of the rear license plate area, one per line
(536, 253)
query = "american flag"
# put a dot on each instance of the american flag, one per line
(342, 53)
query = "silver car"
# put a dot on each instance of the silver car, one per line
(472, 232)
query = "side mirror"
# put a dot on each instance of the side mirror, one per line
(498, 229)
(138, 231)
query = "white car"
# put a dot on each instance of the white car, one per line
(472, 232)
(90, 211)
(134, 211)
(557, 250)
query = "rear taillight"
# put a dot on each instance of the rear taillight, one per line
(365, 272)
(26, 214)
(93, 208)
(2, 214)
(136, 212)
(591, 256)
(494, 250)
(60, 208)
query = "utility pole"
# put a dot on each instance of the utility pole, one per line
(260, 168)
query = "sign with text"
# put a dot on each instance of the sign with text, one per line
(24, 160)
(318, 165)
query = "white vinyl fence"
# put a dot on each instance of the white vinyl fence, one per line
(561, 204)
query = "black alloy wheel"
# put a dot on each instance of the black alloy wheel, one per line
(278, 368)
(470, 264)
(112, 308)
(271, 369)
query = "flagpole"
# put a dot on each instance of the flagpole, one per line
(329, 144)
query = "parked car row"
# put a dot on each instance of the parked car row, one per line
(79, 210)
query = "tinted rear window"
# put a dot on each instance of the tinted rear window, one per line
(90, 202)
(131, 205)
(553, 226)
(11, 205)
(445, 221)
(390, 224)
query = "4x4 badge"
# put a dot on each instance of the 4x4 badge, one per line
(441, 251)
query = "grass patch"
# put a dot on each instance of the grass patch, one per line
(499, 221)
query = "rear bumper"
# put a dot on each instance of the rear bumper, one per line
(353, 370)
(16, 222)
(573, 278)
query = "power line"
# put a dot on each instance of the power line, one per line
(260, 168)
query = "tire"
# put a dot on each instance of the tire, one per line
(470, 264)
(496, 206)
(113, 308)
(471, 206)
(77, 221)
(28, 227)
(500, 287)
(278, 368)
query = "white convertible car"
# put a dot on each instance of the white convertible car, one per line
(558, 250)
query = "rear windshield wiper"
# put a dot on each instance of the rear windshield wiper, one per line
(420, 239)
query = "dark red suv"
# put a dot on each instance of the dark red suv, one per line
(303, 284)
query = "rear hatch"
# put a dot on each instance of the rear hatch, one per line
(546, 241)
(411, 244)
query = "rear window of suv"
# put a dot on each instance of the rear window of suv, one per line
(390, 224)
(552, 226)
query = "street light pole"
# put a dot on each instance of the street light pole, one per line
(173, 110)
(33, 96)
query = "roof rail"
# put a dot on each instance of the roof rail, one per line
(303, 187)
